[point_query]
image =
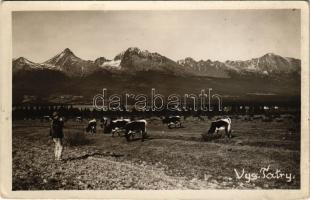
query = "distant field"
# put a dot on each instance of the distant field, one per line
(168, 159)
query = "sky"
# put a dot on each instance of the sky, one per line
(207, 34)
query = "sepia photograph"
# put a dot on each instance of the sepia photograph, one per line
(157, 99)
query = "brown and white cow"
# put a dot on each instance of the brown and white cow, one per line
(221, 124)
(134, 127)
(114, 126)
(172, 120)
(92, 126)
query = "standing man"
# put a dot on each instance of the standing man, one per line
(56, 133)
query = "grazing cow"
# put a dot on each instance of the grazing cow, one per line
(79, 119)
(91, 127)
(113, 126)
(221, 124)
(138, 126)
(172, 120)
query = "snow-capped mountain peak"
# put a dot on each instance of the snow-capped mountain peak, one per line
(63, 57)
(70, 64)
(24, 61)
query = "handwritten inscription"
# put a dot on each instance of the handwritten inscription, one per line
(263, 173)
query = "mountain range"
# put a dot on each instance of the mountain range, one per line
(145, 69)
(134, 59)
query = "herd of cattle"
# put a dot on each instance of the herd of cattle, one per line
(130, 128)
